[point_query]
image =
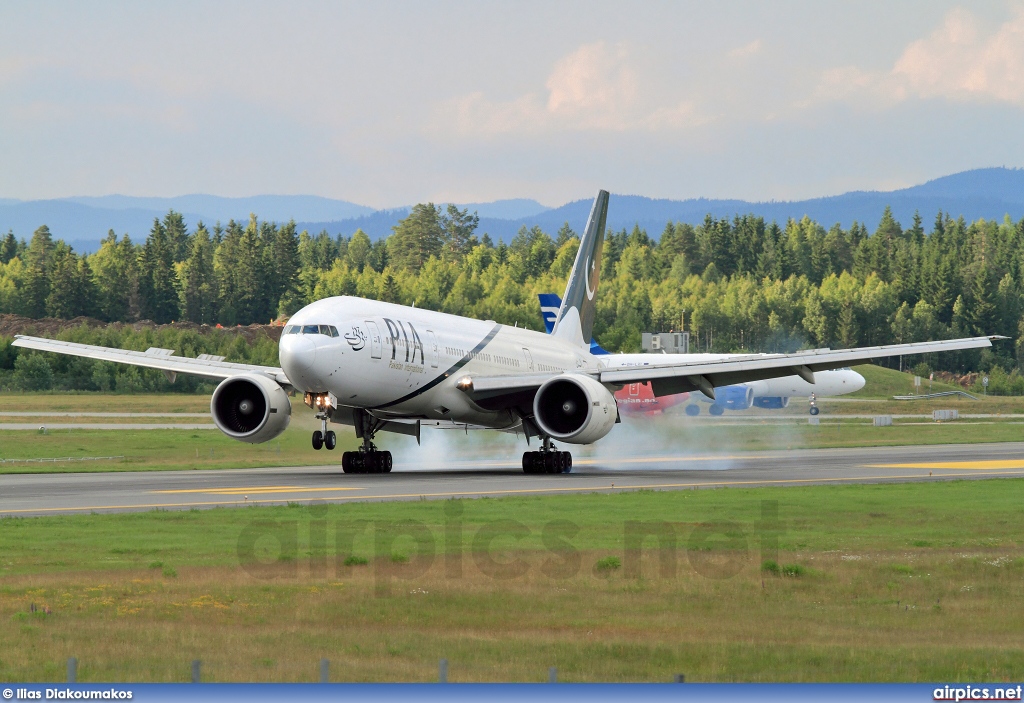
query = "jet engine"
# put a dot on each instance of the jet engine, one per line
(574, 408)
(738, 397)
(772, 403)
(250, 408)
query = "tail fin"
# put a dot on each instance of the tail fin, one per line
(549, 305)
(576, 315)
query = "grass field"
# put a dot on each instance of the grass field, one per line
(912, 582)
(881, 382)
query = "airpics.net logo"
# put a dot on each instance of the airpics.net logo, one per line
(977, 693)
(409, 549)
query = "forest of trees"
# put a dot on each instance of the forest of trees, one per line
(740, 284)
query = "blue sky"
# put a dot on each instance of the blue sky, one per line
(393, 103)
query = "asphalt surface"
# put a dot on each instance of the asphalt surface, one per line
(42, 494)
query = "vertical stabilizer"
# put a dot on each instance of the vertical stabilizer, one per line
(576, 316)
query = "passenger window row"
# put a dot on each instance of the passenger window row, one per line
(327, 330)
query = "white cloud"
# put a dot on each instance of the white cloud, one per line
(593, 87)
(747, 50)
(596, 87)
(956, 62)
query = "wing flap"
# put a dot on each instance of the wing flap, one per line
(153, 358)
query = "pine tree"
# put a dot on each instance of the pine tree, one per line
(359, 250)
(37, 280)
(177, 235)
(416, 238)
(286, 298)
(157, 279)
(251, 274)
(565, 233)
(457, 228)
(87, 303)
(115, 272)
(8, 248)
(378, 258)
(62, 300)
(981, 308)
(198, 285)
(226, 261)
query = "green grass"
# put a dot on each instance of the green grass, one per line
(839, 587)
(885, 383)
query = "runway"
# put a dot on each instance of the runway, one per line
(48, 494)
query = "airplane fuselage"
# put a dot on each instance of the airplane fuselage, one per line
(405, 362)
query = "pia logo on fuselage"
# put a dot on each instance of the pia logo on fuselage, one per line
(356, 338)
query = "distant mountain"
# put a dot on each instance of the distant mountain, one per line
(991, 193)
(213, 208)
(506, 209)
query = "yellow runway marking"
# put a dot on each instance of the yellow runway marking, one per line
(956, 465)
(257, 490)
(516, 491)
(666, 459)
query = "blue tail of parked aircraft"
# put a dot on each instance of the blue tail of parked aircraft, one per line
(550, 304)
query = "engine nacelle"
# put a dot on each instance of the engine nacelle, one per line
(772, 403)
(738, 397)
(574, 408)
(250, 408)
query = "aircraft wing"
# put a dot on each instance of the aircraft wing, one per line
(697, 375)
(204, 365)
(669, 378)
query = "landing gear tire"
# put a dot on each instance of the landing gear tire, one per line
(373, 462)
(549, 462)
(693, 410)
(716, 410)
(815, 410)
(318, 440)
(330, 440)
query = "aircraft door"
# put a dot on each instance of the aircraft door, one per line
(529, 359)
(375, 345)
(433, 349)
(634, 389)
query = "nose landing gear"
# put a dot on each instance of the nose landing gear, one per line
(547, 461)
(324, 437)
(814, 405)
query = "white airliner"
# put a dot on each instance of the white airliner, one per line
(381, 367)
(769, 393)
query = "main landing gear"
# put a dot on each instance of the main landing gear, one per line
(547, 461)
(368, 459)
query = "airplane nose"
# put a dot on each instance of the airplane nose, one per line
(858, 382)
(298, 353)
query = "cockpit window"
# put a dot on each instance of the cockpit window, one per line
(326, 330)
